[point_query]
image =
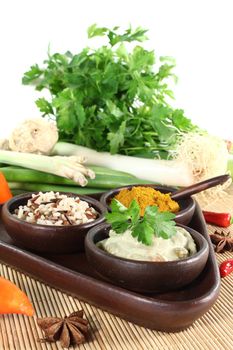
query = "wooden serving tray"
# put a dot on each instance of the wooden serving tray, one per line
(169, 312)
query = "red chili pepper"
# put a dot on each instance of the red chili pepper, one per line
(219, 219)
(226, 267)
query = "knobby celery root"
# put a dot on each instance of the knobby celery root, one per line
(36, 135)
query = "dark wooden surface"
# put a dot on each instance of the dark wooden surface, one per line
(71, 273)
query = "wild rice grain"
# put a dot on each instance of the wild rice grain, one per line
(52, 208)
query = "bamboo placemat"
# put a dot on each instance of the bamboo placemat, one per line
(213, 331)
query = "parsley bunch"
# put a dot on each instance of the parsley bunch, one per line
(111, 98)
(153, 223)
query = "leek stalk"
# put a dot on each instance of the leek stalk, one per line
(167, 172)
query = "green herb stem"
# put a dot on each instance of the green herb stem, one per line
(105, 178)
(37, 187)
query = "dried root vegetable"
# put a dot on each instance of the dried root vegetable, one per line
(34, 136)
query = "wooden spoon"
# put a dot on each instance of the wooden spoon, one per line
(199, 187)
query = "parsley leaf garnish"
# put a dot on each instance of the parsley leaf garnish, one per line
(153, 223)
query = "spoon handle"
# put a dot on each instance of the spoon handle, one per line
(199, 187)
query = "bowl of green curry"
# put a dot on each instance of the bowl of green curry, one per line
(146, 255)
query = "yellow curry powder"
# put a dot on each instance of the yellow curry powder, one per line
(147, 196)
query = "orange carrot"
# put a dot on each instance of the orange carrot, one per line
(13, 300)
(5, 192)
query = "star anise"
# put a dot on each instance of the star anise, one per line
(68, 330)
(222, 241)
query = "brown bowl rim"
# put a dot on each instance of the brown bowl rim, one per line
(101, 210)
(191, 205)
(104, 225)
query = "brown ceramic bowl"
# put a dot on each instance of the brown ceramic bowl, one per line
(183, 216)
(48, 238)
(145, 276)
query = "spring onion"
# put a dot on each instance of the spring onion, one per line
(36, 187)
(69, 167)
(104, 178)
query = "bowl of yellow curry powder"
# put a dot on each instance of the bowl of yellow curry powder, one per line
(151, 194)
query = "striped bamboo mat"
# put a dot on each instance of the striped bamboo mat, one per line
(213, 331)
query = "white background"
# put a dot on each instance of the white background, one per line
(198, 34)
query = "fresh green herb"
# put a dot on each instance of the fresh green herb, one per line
(153, 223)
(111, 98)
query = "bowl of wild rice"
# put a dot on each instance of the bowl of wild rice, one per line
(51, 222)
